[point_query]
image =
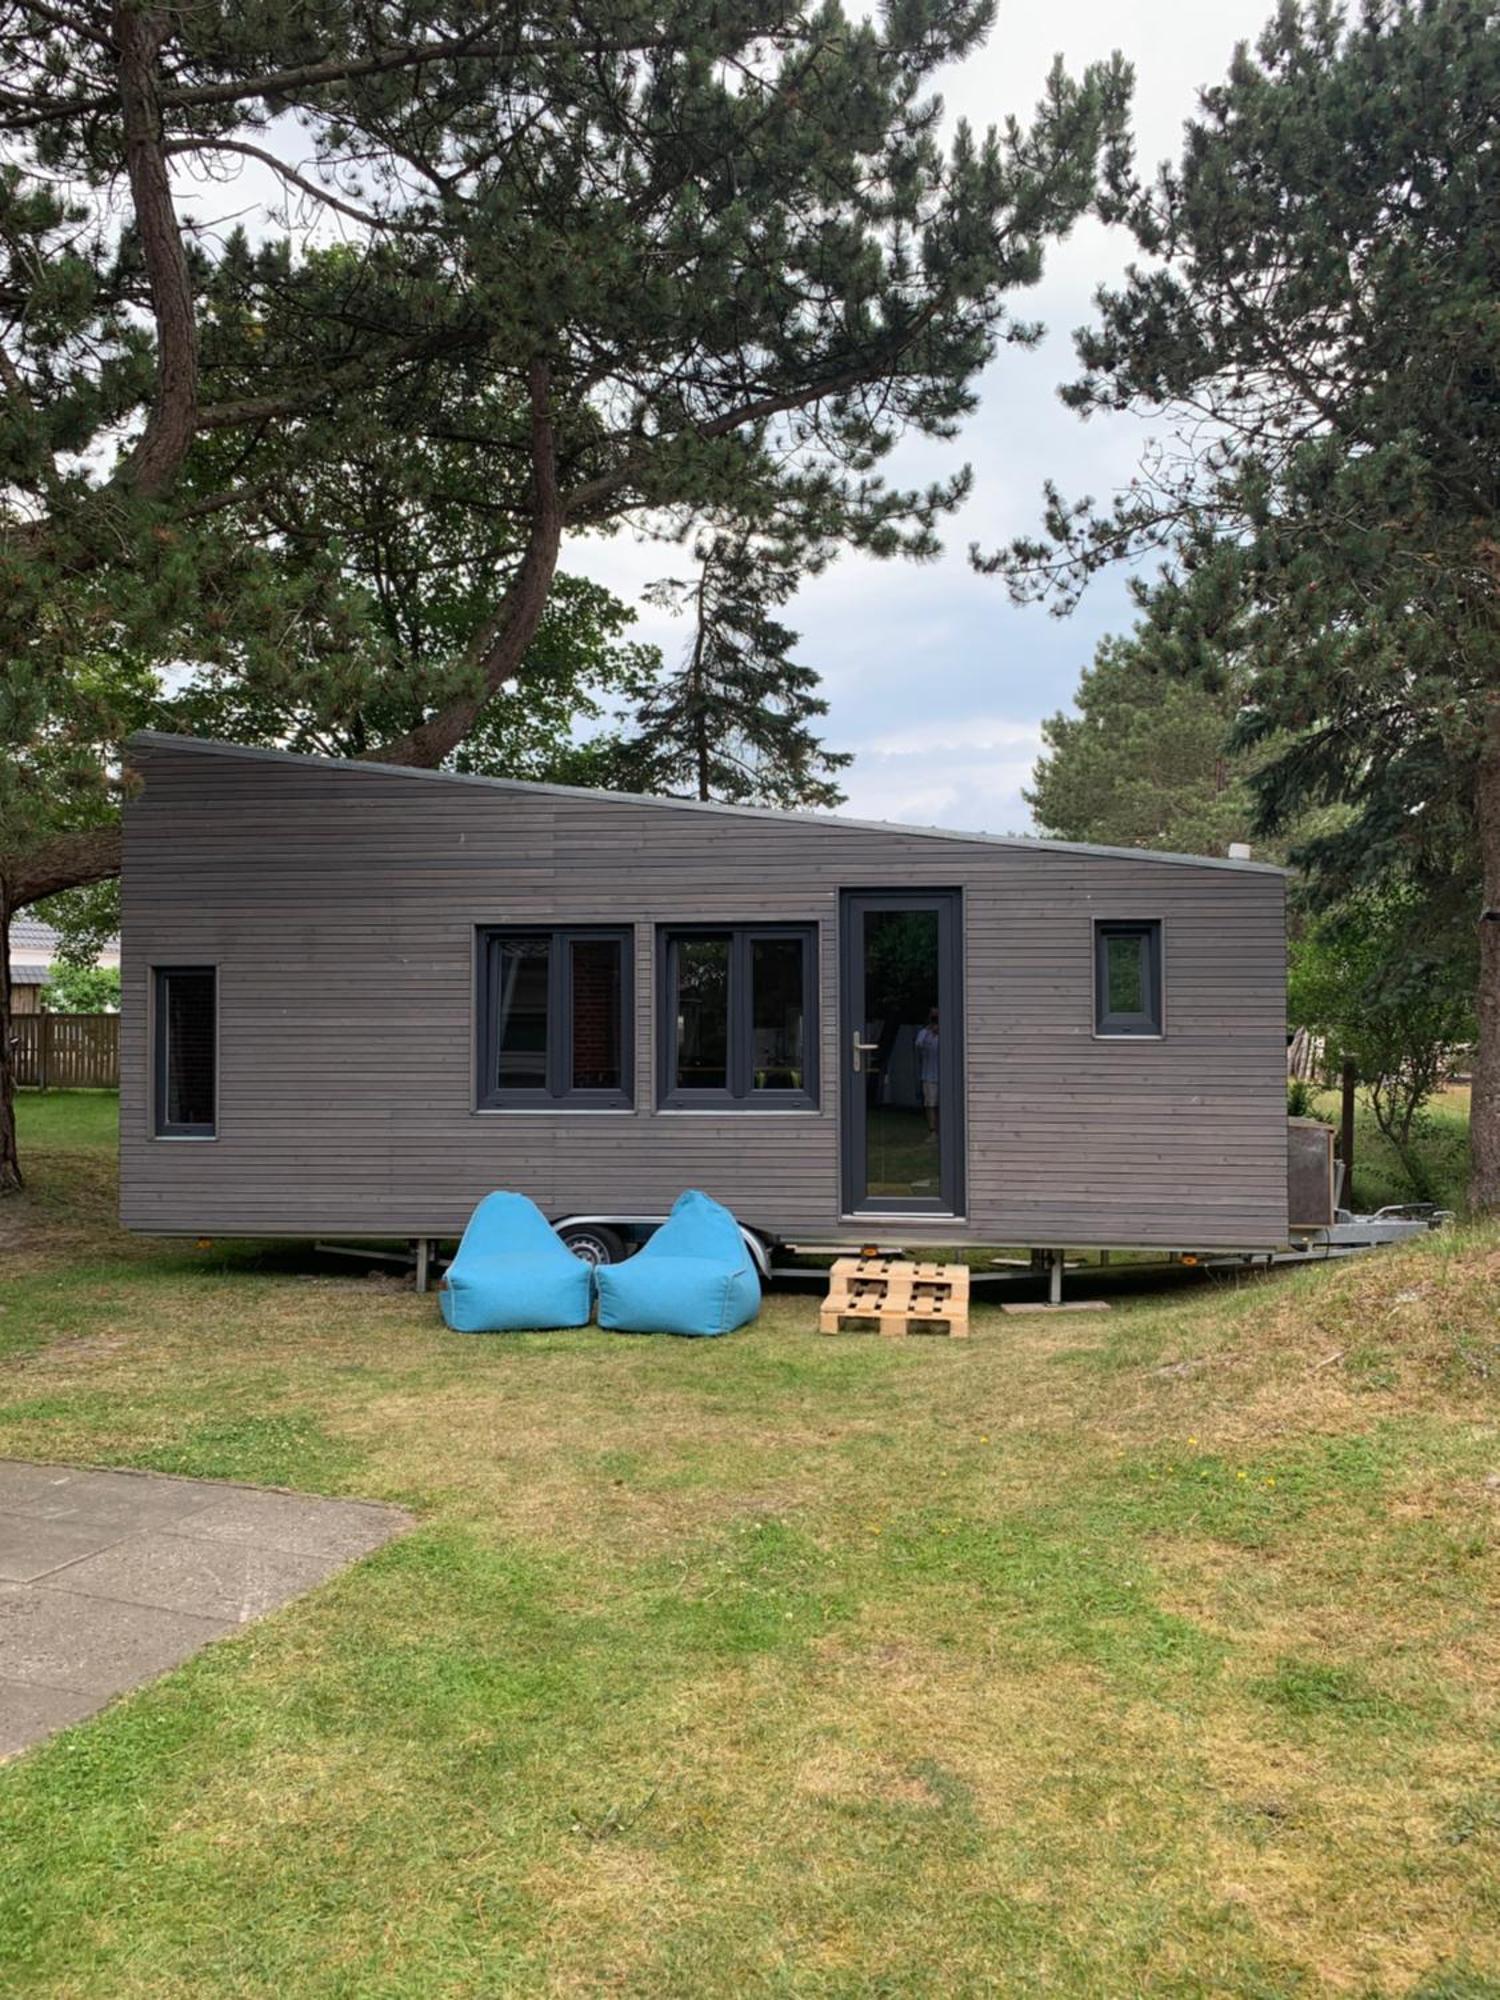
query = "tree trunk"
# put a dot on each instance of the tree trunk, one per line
(499, 649)
(10, 1157)
(138, 37)
(1484, 1129)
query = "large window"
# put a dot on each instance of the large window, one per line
(187, 1030)
(1127, 978)
(739, 1017)
(554, 1014)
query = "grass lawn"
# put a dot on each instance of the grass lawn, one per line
(1109, 1655)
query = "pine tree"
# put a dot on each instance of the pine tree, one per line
(1315, 318)
(732, 722)
(1144, 762)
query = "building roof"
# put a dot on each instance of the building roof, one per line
(208, 747)
(29, 934)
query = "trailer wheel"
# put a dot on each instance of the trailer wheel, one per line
(594, 1243)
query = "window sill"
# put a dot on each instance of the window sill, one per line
(187, 1138)
(737, 1107)
(561, 1109)
(932, 1215)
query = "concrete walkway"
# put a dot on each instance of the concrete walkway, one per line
(109, 1578)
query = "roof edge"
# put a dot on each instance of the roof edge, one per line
(206, 746)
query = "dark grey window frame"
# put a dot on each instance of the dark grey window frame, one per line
(740, 1093)
(1151, 1024)
(951, 1202)
(559, 1093)
(162, 1126)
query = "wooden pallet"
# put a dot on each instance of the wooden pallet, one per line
(899, 1297)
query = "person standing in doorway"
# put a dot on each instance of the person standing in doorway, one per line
(927, 1070)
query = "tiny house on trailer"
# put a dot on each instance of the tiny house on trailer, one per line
(357, 997)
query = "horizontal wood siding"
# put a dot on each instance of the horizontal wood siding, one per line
(340, 906)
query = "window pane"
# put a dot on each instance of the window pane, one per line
(597, 977)
(901, 1067)
(702, 1013)
(1125, 973)
(521, 1012)
(188, 999)
(777, 1051)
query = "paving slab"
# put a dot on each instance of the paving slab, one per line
(293, 1522)
(56, 1640)
(31, 1546)
(236, 1581)
(28, 1713)
(108, 1579)
(104, 1499)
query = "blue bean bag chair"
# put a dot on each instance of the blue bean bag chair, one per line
(514, 1272)
(693, 1276)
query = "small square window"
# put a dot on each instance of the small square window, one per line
(554, 1019)
(1127, 978)
(738, 1018)
(187, 1057)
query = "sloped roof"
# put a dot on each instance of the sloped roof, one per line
(206, 747)
(31, 934)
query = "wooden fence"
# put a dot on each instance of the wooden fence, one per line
(67, 1051)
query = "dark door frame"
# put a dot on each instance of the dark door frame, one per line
(853, 1102)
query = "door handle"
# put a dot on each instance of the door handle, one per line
(861, 1049)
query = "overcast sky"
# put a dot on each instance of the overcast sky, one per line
(934, 681)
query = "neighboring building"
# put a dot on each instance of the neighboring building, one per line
(358, 997)
(33, 947)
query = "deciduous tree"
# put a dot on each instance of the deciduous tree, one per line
(1384, 989)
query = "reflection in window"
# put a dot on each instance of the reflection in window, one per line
(594, 987)
(702, 1013)
(1127, 978)
(738, 1022)
(776, 965)
(554, 1018)
(521, 1035)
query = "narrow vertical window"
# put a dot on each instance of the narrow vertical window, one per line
(554, 1019)
(1127, 978)
(594, 985)
(521, 1013)
(778, 1055)
(186, 1005)
(702, 1058)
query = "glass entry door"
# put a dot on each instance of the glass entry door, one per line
(902, 1035)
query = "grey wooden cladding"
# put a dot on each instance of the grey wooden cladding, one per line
(341, 905)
